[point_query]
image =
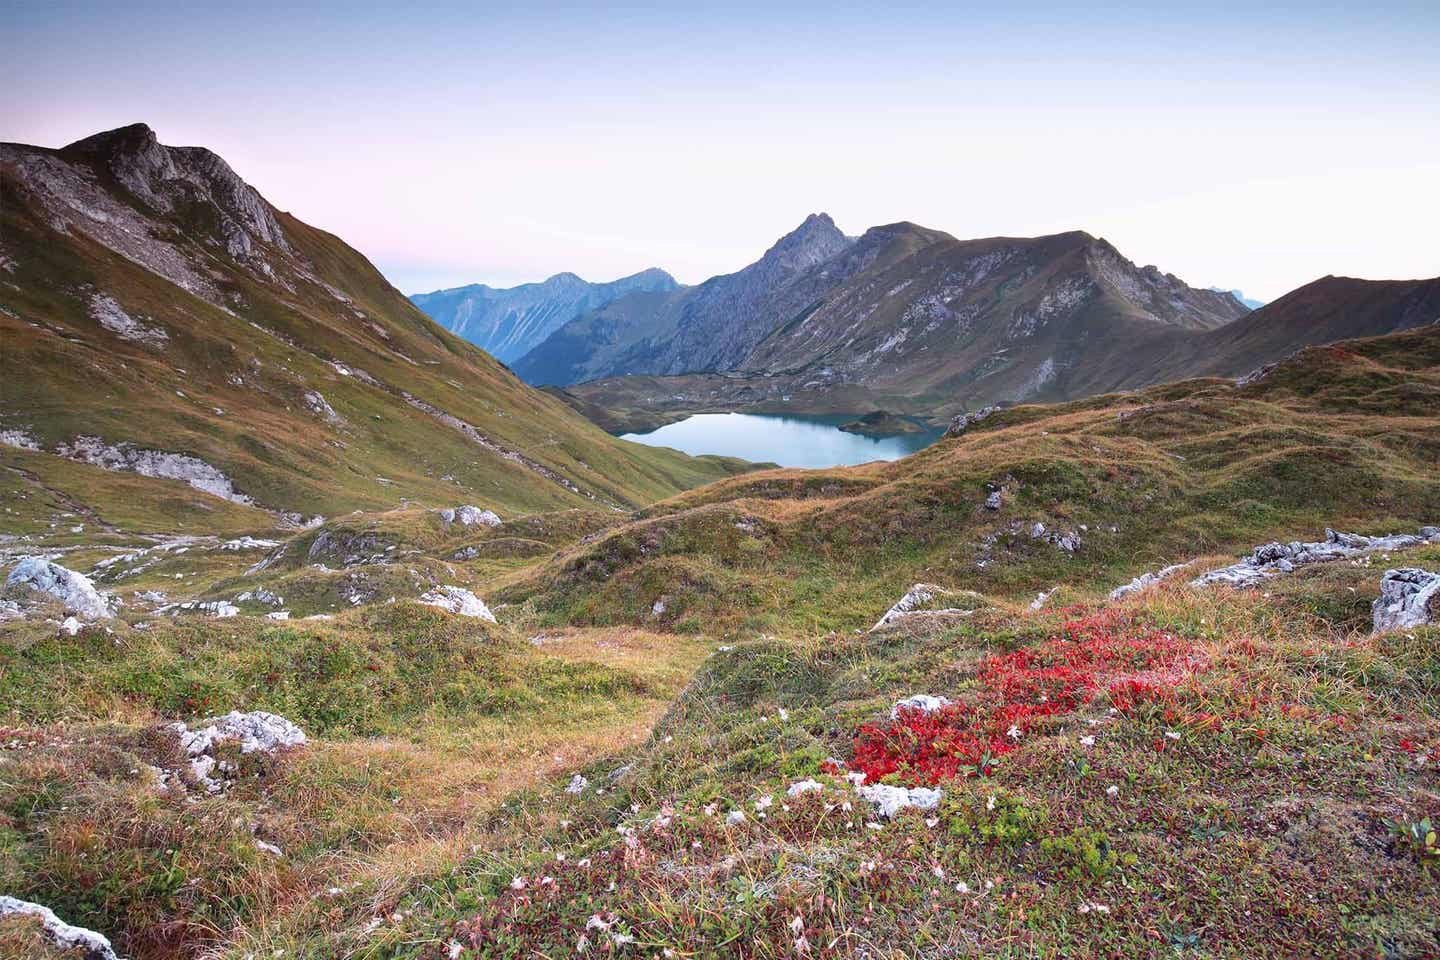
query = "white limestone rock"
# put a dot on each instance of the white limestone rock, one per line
(1146, 580)
(889, 800)
(802, 787)
(256, 731)
(469, 516)
(127, 458)
(918, 703)
(577, 784)
(1409, 597)
(1272, 559)
(87, 943)
(107, 312)
(458, 600)
(916, 597)
(19, 439)
(75, 589)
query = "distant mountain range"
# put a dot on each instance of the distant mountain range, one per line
(508, 322)
(913, 320)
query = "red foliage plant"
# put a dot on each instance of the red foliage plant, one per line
(1102, 652)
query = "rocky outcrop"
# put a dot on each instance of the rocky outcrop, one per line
(127, 458)
(1409, 597)
(1146, 580)
(86, 944)
(468, 516)
(75, 590)
(254, 732)
(962, 422)
(457, 600)
(110, 315)
(1272, 559)
(916, 597)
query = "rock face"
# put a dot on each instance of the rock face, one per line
(76, 590)
(87, 944)
(1271, 559)
(509, 323)
(1409, 597)
(458, 600)
(712, 326)
(468, 516)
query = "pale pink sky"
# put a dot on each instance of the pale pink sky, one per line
(1235, 145)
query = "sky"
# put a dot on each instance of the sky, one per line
(1252, 146)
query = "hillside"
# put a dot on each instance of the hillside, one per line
(677, 729)
(507, 323)
(161, 318)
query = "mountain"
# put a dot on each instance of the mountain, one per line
(1250, 302)
(161, 318)
(712, 326)
(911, 319)
(508, 322)
(1326, 310)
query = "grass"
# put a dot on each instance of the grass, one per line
(421, 722)
(694, 656)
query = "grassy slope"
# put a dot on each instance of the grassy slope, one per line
(64, 375)
(1346, 436)
(442, 747)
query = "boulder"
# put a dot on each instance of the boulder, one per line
(256, 731)
(76, 590)
(918, 703)
(889, 800)
(87, 944)
(1409, 597)
(458, 600)
(468, 516)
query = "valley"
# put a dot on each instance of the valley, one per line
(323, 634)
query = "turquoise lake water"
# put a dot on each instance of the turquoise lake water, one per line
(789, 440)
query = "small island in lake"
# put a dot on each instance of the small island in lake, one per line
(881, 423)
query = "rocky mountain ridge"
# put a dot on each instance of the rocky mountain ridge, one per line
(902, 312)
(509, 322)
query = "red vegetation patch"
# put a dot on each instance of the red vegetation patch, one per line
(1103, 652)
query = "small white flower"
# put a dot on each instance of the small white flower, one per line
(990, 804)
(797, 925)
(456, 948)
(1013, 733)
(1173, 734)
(931, 821)
(764, 802)
(938, 871)
(962, 887)
(1087, 741)
(784, 714)
(1112, 791)
(583, 863)
(518, 883)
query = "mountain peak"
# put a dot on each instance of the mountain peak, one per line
(132, 139)
(816, 239)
